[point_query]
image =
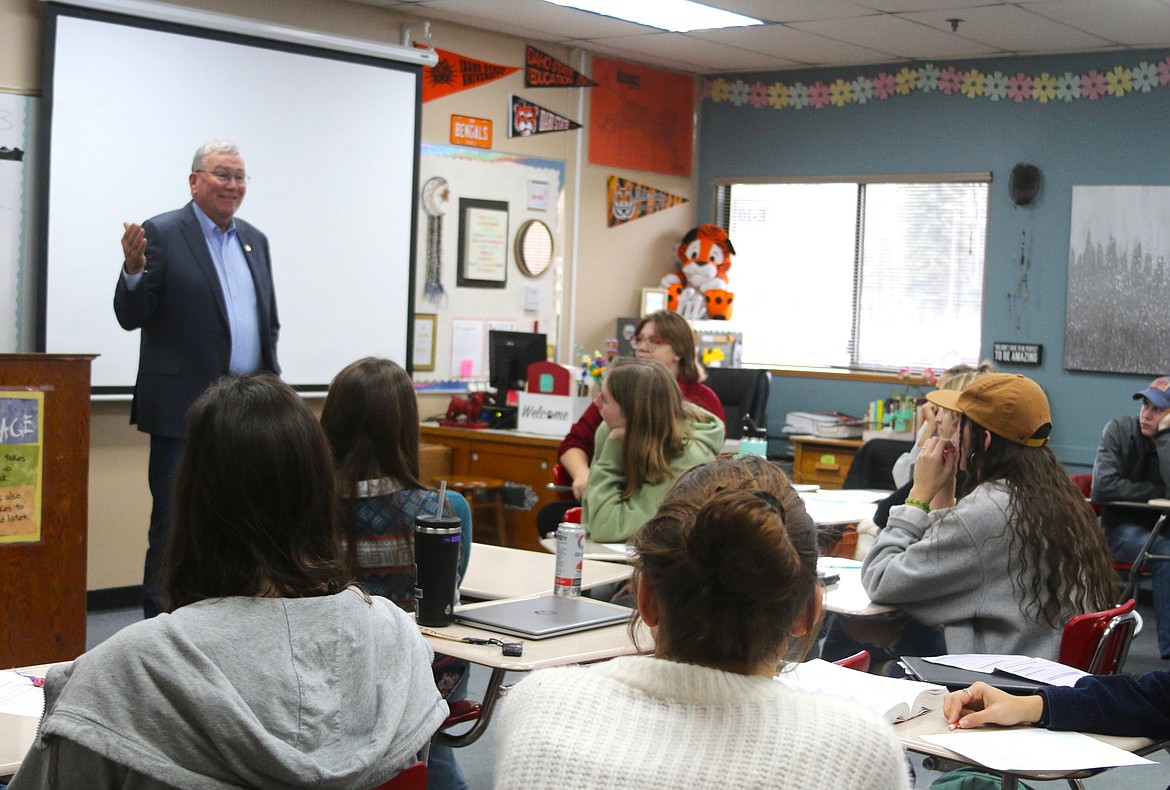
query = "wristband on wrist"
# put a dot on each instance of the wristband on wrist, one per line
(918, 503)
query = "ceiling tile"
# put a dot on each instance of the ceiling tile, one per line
(795, 45)
(1134, 23)
(803, 33)
(898, 37)
(1013, 30)
(696, 54)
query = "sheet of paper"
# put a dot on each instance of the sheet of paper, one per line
(19, 697)
(467, 339)
(837, 563)
(1039, 669)
(825, 511)
(1034, 749)
(850, 495)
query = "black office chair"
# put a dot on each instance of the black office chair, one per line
(873, 465)
(744, 395)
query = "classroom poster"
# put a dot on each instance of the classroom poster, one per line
(21, 427)
(641, 118)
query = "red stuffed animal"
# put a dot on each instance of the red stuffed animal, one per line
(468, 408)
(698, 287)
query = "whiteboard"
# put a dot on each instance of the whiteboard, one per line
(330, 141)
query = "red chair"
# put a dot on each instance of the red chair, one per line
(412, 778)
(562, 484)
(1098, 642)
(1085, 483)
(858, 661)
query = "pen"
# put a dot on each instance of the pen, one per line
(36, 680)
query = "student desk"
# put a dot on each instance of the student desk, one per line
(817, 459)
(910, 733)
(496, 572)
(525, 458)
(17, 733)
(847, 596)
(580, 648)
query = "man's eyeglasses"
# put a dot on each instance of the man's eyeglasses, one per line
(653, 340)
(223, 176)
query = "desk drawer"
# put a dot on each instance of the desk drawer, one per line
(824, 466)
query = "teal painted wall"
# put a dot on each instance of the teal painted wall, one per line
(1116, 141)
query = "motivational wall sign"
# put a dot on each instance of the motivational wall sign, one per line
(21, 427)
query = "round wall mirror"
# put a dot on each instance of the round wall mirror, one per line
(534, 248)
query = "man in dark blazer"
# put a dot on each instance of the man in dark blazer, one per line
(198, 283)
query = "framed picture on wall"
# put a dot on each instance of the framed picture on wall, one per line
(425, 325)
(483, 243)
(653, 300)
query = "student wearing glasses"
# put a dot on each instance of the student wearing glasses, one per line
(198, 283)
(663, 337)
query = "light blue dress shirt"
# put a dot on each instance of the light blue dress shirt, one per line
(239, 292)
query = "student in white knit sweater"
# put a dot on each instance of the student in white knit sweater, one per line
(726, 583)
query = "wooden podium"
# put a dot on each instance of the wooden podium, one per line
(43, 599)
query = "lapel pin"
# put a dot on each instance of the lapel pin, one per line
(247, 248)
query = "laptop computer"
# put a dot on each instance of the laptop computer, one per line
(548, 615)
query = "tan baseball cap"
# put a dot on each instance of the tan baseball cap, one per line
(1009, 405)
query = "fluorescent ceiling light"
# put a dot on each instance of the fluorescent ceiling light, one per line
(677, 16)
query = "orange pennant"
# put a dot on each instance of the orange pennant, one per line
(454, 73)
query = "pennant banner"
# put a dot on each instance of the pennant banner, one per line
(454, 73)
(629, 201)
(528, 119)
(544, 71)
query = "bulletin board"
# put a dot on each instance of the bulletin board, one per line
(527, 188)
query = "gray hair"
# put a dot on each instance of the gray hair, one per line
(214, 147)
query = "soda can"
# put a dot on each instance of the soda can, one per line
(570, 554)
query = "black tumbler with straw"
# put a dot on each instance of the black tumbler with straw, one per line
(436, 564)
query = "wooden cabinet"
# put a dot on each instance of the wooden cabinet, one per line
(44, 579)
(822, 461)
(523, 458)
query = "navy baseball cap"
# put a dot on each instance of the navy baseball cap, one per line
(1158, 393)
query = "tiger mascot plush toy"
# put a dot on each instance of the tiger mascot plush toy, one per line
(697, 289)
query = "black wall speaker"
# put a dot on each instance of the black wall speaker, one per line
(1025, 184)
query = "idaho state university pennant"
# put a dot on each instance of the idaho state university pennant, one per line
(454, 73)
(629, 201)
(528, 119)
(544, 71)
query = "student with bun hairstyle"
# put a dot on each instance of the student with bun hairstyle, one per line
(728, 588)
(649, 437)
(1005, 565)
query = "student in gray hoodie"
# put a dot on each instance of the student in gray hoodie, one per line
(1003, 567)
(269, 669)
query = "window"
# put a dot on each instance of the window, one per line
(870, 274)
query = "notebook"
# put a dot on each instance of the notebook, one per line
(548, 615)
(893, 699)
(954, 678)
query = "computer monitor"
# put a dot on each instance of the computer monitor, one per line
(509, 355)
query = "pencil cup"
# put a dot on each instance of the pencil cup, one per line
(436, 563)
